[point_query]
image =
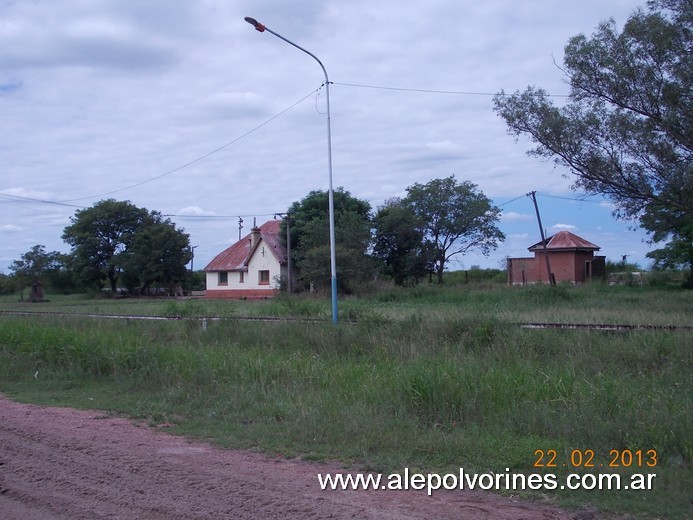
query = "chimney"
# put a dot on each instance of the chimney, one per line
(254, 236)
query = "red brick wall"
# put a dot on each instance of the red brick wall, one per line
(563, 265)
(526, 270)
(566, 266)
(242, 294)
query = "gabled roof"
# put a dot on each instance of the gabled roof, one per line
(237, 256)
(564, 241)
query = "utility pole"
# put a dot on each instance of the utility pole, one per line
(552, 280)
(240, 228)
(287, 218)
(192, 257)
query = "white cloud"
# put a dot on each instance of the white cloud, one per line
(195, 211)
(512, 216)
(563, 227)
(10, 228)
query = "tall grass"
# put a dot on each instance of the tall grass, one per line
(432, 389)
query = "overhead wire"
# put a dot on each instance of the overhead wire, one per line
(220, 216)
(9, 198)
(573, 198)
(200, 158)
(511, 200)
(430, 91)
(254, 129)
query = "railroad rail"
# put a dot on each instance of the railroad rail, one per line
(287, 319)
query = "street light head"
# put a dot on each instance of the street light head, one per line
(252, 21)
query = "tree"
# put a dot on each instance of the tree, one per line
(36, 264)
(113, 236)
(400, 245)
(453, 218)
(158, 253)
(626, 130)
(310, 239)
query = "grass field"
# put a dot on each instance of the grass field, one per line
(429, 379)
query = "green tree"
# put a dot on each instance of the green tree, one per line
(7, 284)
(113, 236)
(37, 264)
(158, 253)
(399, 243)
(454, 218)
(310, 239)
(626, 130)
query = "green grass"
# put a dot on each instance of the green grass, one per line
(426, 379)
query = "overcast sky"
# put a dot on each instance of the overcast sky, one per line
(182, 107)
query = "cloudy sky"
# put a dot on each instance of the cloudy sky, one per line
(182, 107)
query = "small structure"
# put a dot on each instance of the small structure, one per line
(571, 257)
(251, 268)
(36, 294)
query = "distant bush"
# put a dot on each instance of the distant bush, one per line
(475, 274)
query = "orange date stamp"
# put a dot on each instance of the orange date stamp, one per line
(587, 458)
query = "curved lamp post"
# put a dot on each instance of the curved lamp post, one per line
(333, 263)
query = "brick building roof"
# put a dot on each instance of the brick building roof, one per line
(564, 241)
(236, 257)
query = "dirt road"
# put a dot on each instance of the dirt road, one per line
(59, 463)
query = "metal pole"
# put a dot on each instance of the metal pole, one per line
(192, 257)
(288, 255)
(287, 218)
(333, 262)
(543, 239)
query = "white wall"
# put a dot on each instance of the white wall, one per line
(258, 262)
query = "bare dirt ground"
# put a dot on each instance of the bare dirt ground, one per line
(59, 463)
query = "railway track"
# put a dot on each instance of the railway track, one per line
(278, 319)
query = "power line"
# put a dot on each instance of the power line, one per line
(573, 198)
(512, 200)
(220, 216)
(64, 202)
(19, 198)
(190, 163)
(431, 91)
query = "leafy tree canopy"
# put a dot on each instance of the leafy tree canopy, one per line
(453, 218)
(626, 131)
(113, 237)
(310, 238)
(48, 267)
(400, 245)
(36, 263)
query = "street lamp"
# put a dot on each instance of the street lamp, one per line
(333, 263)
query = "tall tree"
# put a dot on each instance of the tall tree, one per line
(99, 235)
(310, 239)
(399, 243)
(158, 253)
(36, 264)
(626, 131)
(112, 236)
(454, 218)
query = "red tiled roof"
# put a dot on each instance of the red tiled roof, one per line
(565, 241)
(235, 257)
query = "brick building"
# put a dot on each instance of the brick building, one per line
(571, 257)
